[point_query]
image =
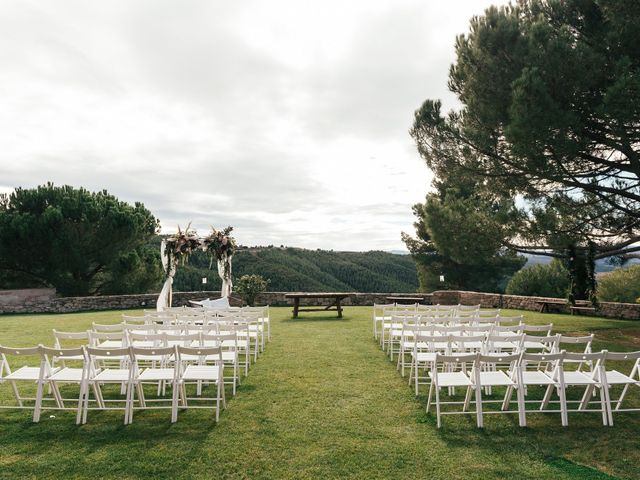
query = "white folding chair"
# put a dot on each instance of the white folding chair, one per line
(616, 379)
(30, 373)
(423, 355)
(229, 345)
(157, 366)
(263, 318)
(498, 370)
(209, 371)
(544, 370)
(582, 343)
(101, 374)
(137, 320)
(69, 340)
(110, 327)
(66, 375)
(542, 344)
(450, 371)
(108, 339)
(590, 379)
(379, 316)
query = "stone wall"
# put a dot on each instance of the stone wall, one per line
(104, 302)
(49, 304)
(42, 301)
(628, 311)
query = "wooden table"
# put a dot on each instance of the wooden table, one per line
(332, 307)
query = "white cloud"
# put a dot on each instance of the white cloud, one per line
(287, 119)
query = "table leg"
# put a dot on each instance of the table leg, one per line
(339, 308)
(296, 305)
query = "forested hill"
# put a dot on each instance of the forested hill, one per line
(295, 269)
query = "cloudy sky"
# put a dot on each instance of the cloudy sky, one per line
(285, 119)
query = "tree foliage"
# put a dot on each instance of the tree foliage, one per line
(455, 240)
(550, 94)
(77, 241)
(621, 285)
(550, 280)
(249, 287)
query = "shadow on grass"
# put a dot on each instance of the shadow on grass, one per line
(109, 447)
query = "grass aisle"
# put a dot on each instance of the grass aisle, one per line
(322, 402)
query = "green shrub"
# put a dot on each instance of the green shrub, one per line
(620, 285)
(249, 286)
(551, 280)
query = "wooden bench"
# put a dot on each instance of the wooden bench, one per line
(406, 300)
(336, 297)
(575, 309)
(551, 305)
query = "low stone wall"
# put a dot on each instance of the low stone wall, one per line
(104, 302)
(627, 311)
(49, 304)
(43, 302)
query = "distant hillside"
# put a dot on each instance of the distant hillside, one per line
(295, 269)
(601, 265)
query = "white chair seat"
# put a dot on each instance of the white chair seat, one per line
(392, 326)
(113, 375)
(453, 379)
(578, 378)
(67, 375)
(495, 379)
(537, 377)
(616, 378)
(190, 358)
(425, 356)
(154, 374)
(201, 372)
(24, 373)
(231, 343)
(229, 356)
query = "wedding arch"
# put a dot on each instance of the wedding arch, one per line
(219, 244)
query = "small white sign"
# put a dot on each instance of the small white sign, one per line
(442, 278)
(204, 280)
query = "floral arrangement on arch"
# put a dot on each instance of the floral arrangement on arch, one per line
(221, 246)
(180, 245)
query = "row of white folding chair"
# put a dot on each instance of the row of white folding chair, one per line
(407, 337)
(520, 372)
(236, 341)
(256, 326)
(122, 339)
(208, 369)
(382, 312)
(423, 350)
(392, 321)
(182, 324)
(402, 327)
(425, 347)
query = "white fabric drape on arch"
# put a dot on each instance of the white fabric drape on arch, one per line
(226, 280)
(164, 299)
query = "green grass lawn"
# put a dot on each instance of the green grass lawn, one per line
(322, 402)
